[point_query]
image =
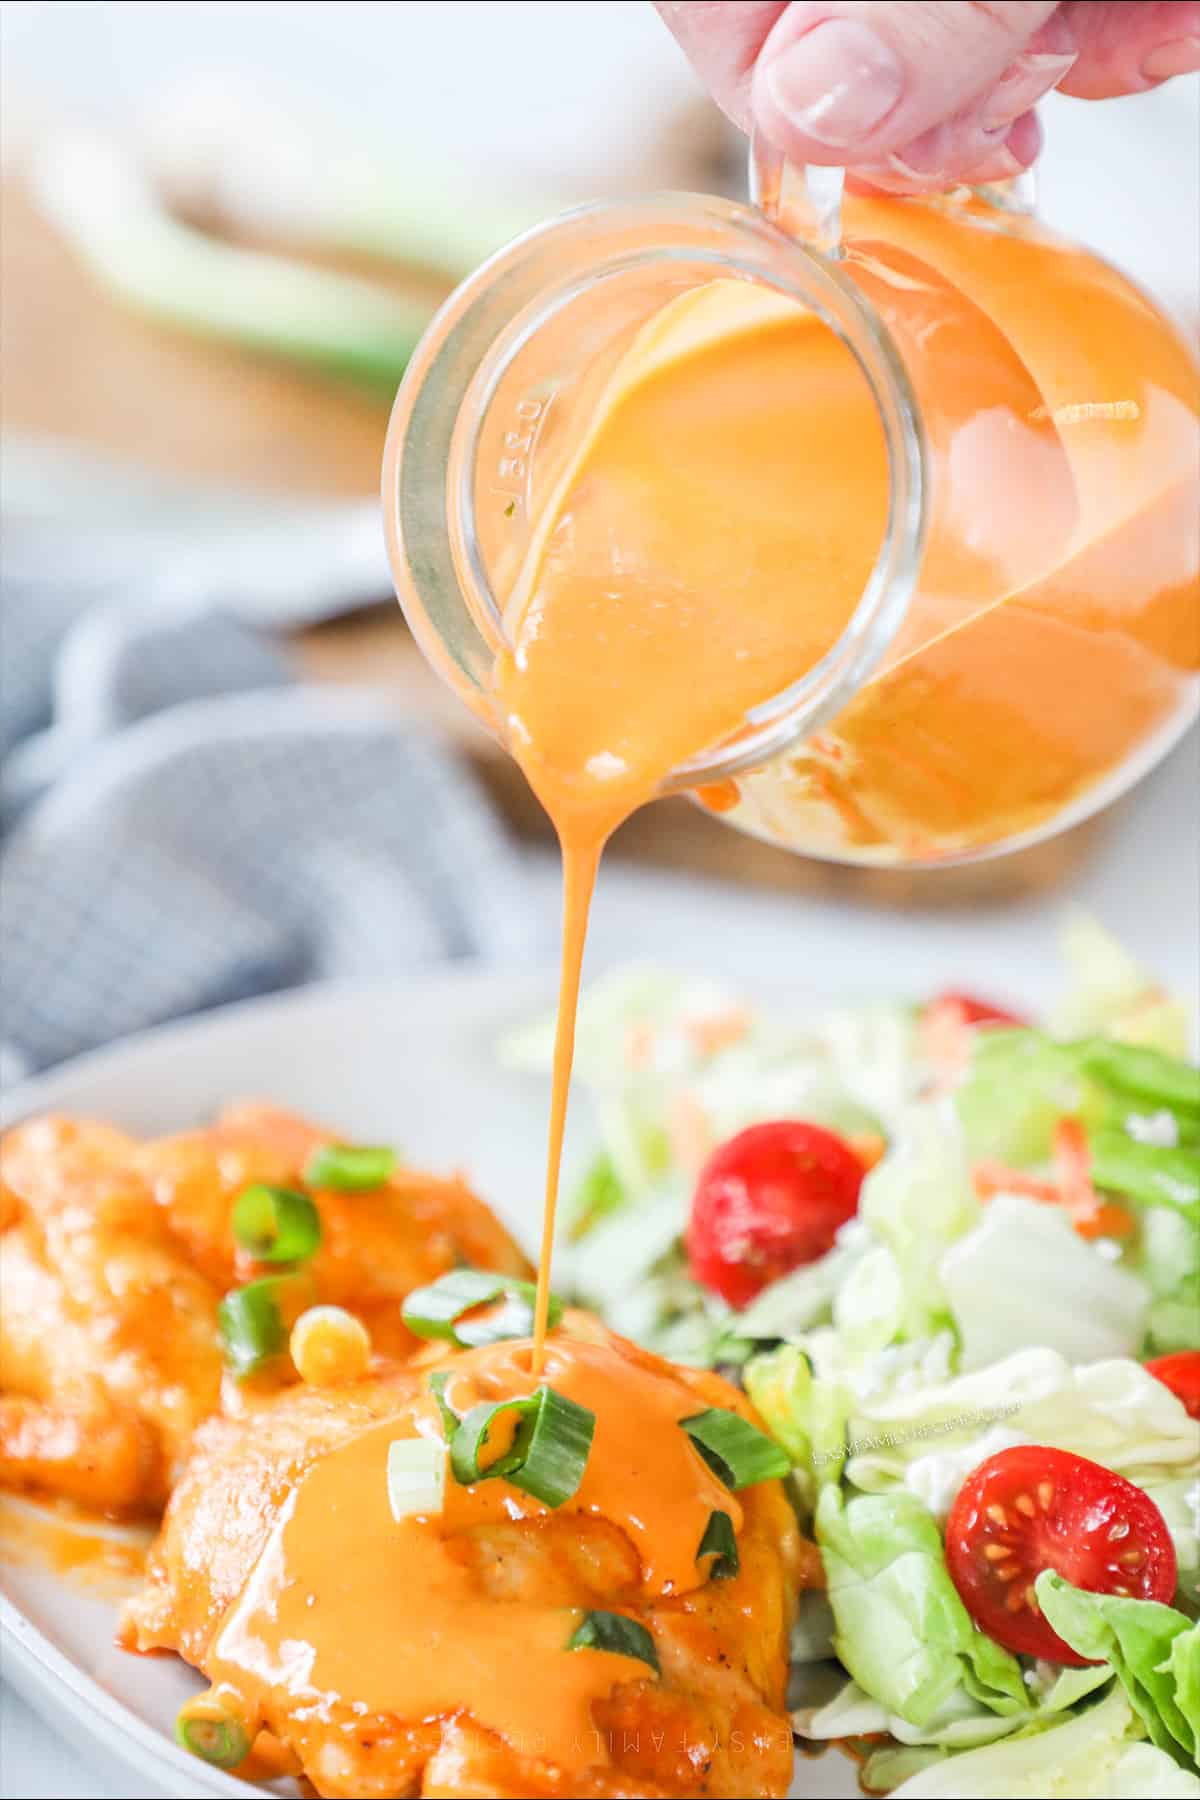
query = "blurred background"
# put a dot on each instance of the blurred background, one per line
(227, 768)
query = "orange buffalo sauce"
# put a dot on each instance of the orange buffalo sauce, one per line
(346, 1603)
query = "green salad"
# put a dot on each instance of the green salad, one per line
(954, 1258)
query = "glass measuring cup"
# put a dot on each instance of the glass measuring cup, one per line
(1025, 645)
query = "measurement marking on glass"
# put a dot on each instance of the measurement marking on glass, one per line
(512, 469)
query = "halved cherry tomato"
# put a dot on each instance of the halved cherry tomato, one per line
(1181, 1373)
(972, 1010)
(1029, 1509)
(766, 1201)
(947, 1029)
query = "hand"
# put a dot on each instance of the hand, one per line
(917, 94)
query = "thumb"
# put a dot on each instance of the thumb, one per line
(851, 83)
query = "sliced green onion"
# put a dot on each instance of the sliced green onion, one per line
(548, 1454)
(738, 1453)
(416, 1477)
(598, 1195)
(252, 1322)
(104, 202)
(476, 1431)
(512, 1320)
(436, 1311)
(351, 1168)
(719, 1542)
(613, 1631)
(450, 1419)
(1145, 1172)
(276, 1224)
(1148, 1075)
(209, 1732)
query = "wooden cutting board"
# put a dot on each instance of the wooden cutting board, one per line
(76, 365)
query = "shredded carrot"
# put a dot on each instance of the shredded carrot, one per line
(689, 1131)
(946, 1040)
(869, 1148)
(639, 1045)
(1073, 1167)
(992, 1178)
(716, 1031)
(1071, 1189)
(1106, 1220)
(1091, 1216)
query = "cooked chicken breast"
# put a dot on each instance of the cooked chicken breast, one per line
(455, 1651)
(375, 1247)
(109, 1356)
(113, 1259)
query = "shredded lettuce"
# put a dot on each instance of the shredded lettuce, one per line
(1154, 1650)
(960, 1725)
(1019, 1084)
(804, 1413)
(901, 1629)
(798, 1301)
(1112, 994)
(1094, 1753)
(1113, 1412)
(917, 1202)
(1150, 1174)
(1006, 1279)
(1168, 1260)
(600, 1193)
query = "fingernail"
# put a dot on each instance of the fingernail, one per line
(837, 83)
(896, 166)
(1000, 166)
(1180, 58)
(1022, 85)
(924, 159)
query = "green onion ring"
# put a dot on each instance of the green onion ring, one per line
(719, 1542)
(548, 1454)
(616, 1633)
(436, 1311)
(213, 1735)
(738, 1453)
(253, 1322)
(437, 1386)
(276, 1224)
(350, 1168)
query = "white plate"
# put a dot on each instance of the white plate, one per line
(412, 1065)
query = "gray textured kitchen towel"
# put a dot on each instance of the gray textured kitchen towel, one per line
(183, 825)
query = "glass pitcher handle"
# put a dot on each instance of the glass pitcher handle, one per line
(810, 197)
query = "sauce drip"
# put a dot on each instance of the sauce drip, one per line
(580, 862)
(638, 638)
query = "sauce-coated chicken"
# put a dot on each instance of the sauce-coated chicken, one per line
(114, 1255)
(434, 1655)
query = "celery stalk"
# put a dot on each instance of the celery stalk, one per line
(348, 327)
